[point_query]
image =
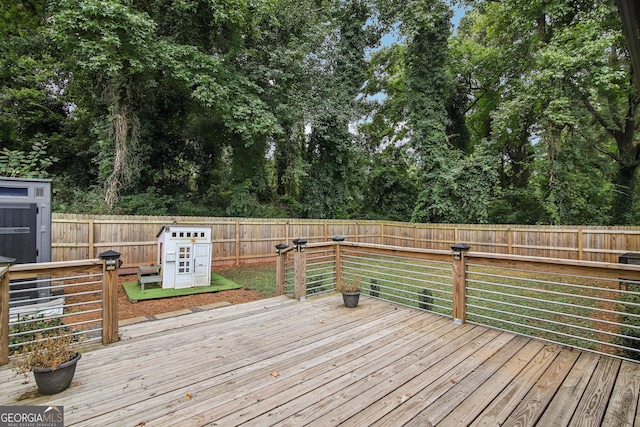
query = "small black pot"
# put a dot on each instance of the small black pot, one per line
(351, 299)
(51, 381)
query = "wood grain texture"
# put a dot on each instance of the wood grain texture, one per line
(243, 240)
(289, 363)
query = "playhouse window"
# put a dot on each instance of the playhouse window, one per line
(184, 259)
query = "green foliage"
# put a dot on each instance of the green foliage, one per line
(33, 164)
(68, 198)
(105, 38)
(548, 85)
(151, 202)
(463, 194)
(391, 189)
(573, 189)
(32, 323)
(631, 331)
(292, 108)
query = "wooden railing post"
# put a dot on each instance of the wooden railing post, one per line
(4, 309)
(110, 265)
(300, 269)
(338, 239)
(459, 283)
(280, 269)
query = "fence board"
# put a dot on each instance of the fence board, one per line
(245, 240)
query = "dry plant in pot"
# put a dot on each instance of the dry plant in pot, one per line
(52, 357)
(350, 289)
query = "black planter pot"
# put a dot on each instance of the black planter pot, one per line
(54, 381)
(351, 299)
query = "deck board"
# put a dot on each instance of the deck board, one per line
(289, 363)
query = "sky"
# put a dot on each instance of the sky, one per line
(458, 13)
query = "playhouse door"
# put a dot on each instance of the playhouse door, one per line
(202, 264)
(184, 267)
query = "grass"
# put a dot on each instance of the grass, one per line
(258, 277)
(218, 283)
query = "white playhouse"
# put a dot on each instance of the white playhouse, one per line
(184, 254)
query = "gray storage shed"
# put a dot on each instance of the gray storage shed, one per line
(25, 234)
(25, 219)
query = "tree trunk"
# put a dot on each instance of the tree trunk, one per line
(628, 162)
(625, 186)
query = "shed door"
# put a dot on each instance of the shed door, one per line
(18, 232)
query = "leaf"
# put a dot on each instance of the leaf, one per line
(188, 396)
(275, 374)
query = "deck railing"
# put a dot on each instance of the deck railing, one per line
(588, 305)
(78, 296)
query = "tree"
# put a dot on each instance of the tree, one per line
(32, 105)
(554, 74)
(391, 188)
(331, 152)
(109, 47)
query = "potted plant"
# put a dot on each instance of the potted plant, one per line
(52, 357)
(350, 289)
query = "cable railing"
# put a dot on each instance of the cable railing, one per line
(289, 277)
(600, 314)
(412, 282)
(321, 271)
(587, 305)
(71, 303)
(77, 298)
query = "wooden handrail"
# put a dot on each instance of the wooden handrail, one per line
(551, 265)
(29, 271)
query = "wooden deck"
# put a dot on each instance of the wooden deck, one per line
(284, 362)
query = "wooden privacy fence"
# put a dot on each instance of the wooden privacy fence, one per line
(240, 240)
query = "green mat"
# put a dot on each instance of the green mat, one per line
(154, 291)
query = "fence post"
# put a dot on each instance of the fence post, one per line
(459, 283)
(280, 269)
(580, 244)
(4, 309)
(300, 269)
(237, 248)
(110, 265)
(338, 239)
